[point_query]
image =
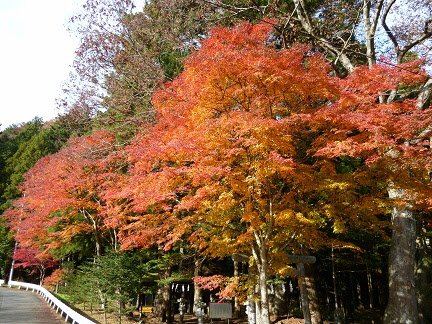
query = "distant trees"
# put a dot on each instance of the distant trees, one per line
(125, 55)
(21, 146)
(6, 246)
(14, 141)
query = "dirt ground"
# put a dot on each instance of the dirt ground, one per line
(189, 319)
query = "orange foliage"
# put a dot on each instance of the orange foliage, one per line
(63, 194)
(246, 152)
(225, 287)
(56, 277)
(226, 163)
(246, 157)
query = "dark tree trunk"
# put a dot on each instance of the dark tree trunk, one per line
(236, 300)
(370, 288)
(423, 277)
(339, 316)
(163, 306)
(304, 298)
(402, 303)
(314, 307)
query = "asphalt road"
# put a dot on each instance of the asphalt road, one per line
(21, 307)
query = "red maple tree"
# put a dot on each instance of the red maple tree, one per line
(229, 164)
(35, 260)
(63, 195)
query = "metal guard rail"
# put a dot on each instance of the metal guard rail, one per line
(68, 313)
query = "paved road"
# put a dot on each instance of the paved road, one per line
(22, 307)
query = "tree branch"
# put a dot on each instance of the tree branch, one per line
(386, 27)
(306, 23)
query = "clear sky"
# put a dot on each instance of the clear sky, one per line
(36, 53)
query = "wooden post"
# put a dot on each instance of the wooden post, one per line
(303, 293)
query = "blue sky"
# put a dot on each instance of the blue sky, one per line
(35, 57)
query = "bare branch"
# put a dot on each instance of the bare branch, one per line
(370, 29)
(427, 33)
(306, 23)
(386, 27)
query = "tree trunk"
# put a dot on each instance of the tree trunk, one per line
(120, 309)
(236, 301)
(424, 95)
(263, 309)
(314, 307)
(164, 300)
(259, 252)
(402, 303)
(98, 242)
(424, 276)
(339, 316)
(369, 33)
(370, 287)
(303, 294)
(197, 289)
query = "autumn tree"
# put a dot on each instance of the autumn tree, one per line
(124, 55)
(21, 146)
(241, 132)
(388, 137)
(62, 196)
(230, 163)
(32, 259)
(353, 32)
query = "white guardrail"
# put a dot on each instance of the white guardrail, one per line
(65, 311)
